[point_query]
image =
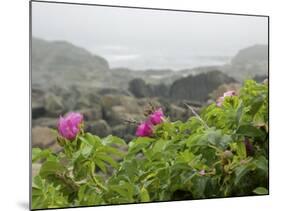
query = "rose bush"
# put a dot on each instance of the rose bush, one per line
(221, 152)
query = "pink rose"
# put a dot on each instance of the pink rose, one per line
(144, 130)
(229, 93)
(156, 117)
(69, 126)
(226, 94)
(202, 172)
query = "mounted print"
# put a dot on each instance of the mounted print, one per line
(134, 105)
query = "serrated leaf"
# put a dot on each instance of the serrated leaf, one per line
(260, 191)
(107, 159)
(113, 140)
(101, 165)
(144, 195)
(250, 131)
(38, 154)
(51, 167)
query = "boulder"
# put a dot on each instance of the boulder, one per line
(117, 109)
(44, 138)
(139, 88)
(112, 91)
(125, 131)
(53, 105)
(92, 114)
(38, 110)
(198, 87)
(177, 113)
(37, 103)
(159, 90)
(45, 122)
(99, 128)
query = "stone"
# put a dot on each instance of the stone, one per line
(53, 105)
(198, 87)
(139, 88)
(99, 128)
(45, 122)
(45, 138)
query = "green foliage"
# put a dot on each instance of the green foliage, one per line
(223, 152)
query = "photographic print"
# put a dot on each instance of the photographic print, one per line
(135, 105)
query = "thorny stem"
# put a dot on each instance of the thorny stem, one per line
(97, 182)
(197, 116)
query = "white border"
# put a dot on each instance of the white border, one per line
(14, 104)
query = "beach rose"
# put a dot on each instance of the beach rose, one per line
(69, 126)
(226, 94)
(156, 117)
(144, 130)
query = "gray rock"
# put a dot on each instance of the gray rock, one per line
(198, 87)
(92, 114)
(38, 110)
(45, 122)
(125, 131)
(99, 128)
(53, 105)
(177, 113)
(118, 109)
(139, 88)
(44, 138)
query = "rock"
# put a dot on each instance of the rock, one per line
(44, 138)
(177, 113)
(37, 104)
(53, 105)
(111, 91)
(87, 100)
(99, 128)
(45, 122)
(252, 54)
(260, 78)
(38, 110)
(159, 90)
(60, 62)
(139, 88)
(92, 114)
(198, 87)
(125, 131)
(117, 109)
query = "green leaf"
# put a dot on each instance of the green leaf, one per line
(241, 149)
(144, 195)
(51, 167)
(250, 131)
(159, 146)
(242, 170)
(107, 159)
(139, 144)
(113, 140)
(256, 104)
(101, 165)
(38, 154)
(260, 191)
(112, 151)
(125, 189)
(262, 164)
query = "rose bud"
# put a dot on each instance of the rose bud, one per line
(156, 117)
(144, 130)
(70, 125)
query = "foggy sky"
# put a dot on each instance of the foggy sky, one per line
(121, 33)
